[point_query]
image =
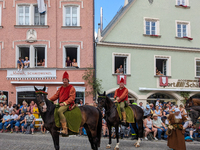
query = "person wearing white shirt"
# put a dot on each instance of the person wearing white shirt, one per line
(13, 119)
(140, 105)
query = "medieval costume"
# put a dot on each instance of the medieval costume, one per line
(66, 95)
(176, 138)
(121, 96)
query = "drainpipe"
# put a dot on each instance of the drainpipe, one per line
(94, 47)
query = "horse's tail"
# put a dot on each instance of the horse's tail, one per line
(99, 128)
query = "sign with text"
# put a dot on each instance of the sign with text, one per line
(36, 74)
(119, 78)
(181, 83)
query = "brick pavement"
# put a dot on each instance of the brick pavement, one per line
(44, 142)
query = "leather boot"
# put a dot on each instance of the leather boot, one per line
(64, 127)
(124, 117)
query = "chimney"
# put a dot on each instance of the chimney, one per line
(99, 37)
(125, 2)
(101, 19)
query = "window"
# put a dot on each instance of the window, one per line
(162, 66)
(71, 56)
(121, 60)
(151, 26)
(182, 2)
(182, 29)
(197, 68)
(79, 96)
(36, 55)
(23, 15)
(39, 56)
(27, 96)
(24, 52)
(29, 15)
(39, 18)
(71, 16)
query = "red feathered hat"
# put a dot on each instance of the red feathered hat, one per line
(122, 80)
(66, 75)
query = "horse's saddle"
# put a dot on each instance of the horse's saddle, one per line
(129, 113)
(73, 119)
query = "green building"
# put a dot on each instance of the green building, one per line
(154, 41)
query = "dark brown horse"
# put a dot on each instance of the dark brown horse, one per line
(113, 120)
(192, 102)
(91, 120)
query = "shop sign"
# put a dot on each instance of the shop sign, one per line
(182, 83)
(31, 74)
(119, 78)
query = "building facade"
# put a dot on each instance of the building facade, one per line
(157, 44)
(64, 29)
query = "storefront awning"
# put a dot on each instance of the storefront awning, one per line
(168, 89)
(44, 83)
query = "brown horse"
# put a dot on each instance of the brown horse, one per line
(192, 102)
(113, 120)
(91, 120)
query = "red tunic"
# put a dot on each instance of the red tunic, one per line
(122, 94)
(65, 94)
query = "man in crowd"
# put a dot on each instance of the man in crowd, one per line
(157, 123)
(66, 95)
(140, 105)
(121, 96)
(147, 111)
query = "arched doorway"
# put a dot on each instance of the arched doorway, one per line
(163, 97)
(131, 98)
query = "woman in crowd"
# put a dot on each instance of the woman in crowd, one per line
(16, 109)
(36, 113)
(29, 121)
(105, 128)
(20, 122)
(148, 127)
(5, 109)
(13, 118)
(74, 63)
(157, 112)
(10, 108)
(5, 122)
(176, 140)
(24, 107)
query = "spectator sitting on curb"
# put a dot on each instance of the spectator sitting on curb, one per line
(157, 123)
(20, 122)
(148, 124)
(5, 122)
(29, 121)
(13, 120)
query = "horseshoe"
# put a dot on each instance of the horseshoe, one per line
(108, 147)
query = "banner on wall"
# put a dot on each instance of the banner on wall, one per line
(119, 78)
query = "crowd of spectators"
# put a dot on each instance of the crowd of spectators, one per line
(19, 117)
(156, 122)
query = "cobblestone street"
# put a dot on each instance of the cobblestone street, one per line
(44, 142)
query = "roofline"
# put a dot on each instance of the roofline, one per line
(116, 22)
(148, 46)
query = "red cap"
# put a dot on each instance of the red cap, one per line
(122, 80)
(66, 75)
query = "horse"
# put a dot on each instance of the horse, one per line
(112, 118)
(91, 120)
(192, 102)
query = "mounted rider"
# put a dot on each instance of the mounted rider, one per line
(121, 96)
(66, 95)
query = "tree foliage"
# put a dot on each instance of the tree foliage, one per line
(185, 95)
(93, 83)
